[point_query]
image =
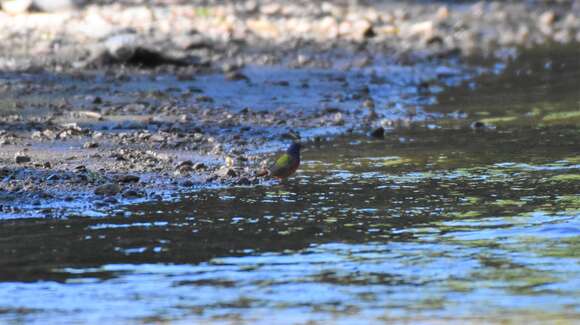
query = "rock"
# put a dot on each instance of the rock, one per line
(199, 166)
(110, 200)
(126, 48)
(331, 110)
(57, 5)
(90, 114)
(204, 99)
(423, 29)
(183, 170)
(378, 132)
(235, 76)
(108, 189)
(53, 177)
(231, 161)
(226, 172)
(184, 163)
(478, 125)
(90, 145)
(128, 179)
(158, 137)
(15, 7)
(187, 183)
(122, 47)
(192, 42)
(369, 103)
(21, 158)
(132, 194)
(244, 181)
(338, 119)
(357, 29)
(4, 171)
(442, 13)
(49, 134)
(548, 18)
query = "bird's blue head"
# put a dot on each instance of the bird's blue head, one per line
(294, 149)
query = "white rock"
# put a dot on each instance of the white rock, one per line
(16, 6)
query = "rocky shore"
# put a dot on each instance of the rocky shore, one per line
(106, 102)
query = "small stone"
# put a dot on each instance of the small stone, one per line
(244, 181)
(547, 18)
(90, 145)
(204, 99)
(132, 194)
(91, 114)
(183, 170)
(53, 177)
(235, 76)
(15, 7)
(110, 200)
(184, 163)
(187, 183)
(230, 161)
(338, 119)
(128, 179)
(22, 158)
(57, 5)
(226, 172)
(199, 166)
(477, 125)
(369, 103)
(108, 189)
(378, 132)
(442, 13)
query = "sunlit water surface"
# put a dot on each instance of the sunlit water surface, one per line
(433, 222)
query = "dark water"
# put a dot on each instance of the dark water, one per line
(436, 221)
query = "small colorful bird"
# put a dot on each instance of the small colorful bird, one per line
(286, 164)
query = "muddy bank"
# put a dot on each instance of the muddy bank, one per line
(118, 103)
(301, 33)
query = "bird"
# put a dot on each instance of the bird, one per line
(286, 164)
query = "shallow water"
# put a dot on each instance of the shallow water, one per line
(437, 220)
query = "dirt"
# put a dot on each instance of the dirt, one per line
(130, 101)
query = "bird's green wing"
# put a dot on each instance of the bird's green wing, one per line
(283, 161)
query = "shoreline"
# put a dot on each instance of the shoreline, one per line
(96, 123)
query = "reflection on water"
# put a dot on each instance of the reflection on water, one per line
(444, 222)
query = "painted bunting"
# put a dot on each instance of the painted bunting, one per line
(286, 164)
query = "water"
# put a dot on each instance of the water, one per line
(437, 221)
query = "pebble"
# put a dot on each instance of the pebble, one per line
(187, 183)
(108, 189)
(226, 172)
(58, 5)
(199, 166)
(244, 181)
(132, 194)
(369, 103)
(128, 179)
(477, 125)
(184, 163)
(378, 132)
(16, 6)
(21, 158)
(90, 145)
(236, 76)
(183, 170)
